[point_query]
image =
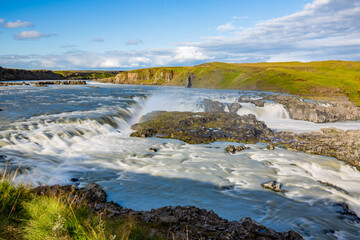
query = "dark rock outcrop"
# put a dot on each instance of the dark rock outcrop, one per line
(213, 106)
(189, 81)
(182, 222)
(203, 127)
(234, 107)
(67, 82)
(334, 187)
(317, 112)
(233, 149)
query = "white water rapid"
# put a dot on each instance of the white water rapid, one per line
(78, 134)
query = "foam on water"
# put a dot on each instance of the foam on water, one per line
(91, 143)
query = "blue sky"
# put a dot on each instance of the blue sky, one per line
(110, 34)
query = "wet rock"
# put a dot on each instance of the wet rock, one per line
(334, 187)
(233, 149)
(234, 107)
(74, 82)
(333, 142)
(94, 193)
(270, 146)
(256, 102)
(273, 185)
(213, 106)
(318, 112)
(153, 149)
(4, 84)
(182, 222)
(345, 210)
(67, 82)
(74, 179)
(148, 155)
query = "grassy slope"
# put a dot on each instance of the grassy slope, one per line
(86, 74)
(326, 79)
(24, 215)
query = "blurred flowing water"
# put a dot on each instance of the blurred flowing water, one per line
(59, 133)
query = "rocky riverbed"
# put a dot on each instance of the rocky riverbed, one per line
(318, 112)
(297, 107)
(178, 222)
(208, 127)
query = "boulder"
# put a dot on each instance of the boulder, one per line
(233, 149)
(213, 106)
(273, 185)
(234, 107)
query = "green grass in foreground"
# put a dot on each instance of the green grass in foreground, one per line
(24, 215)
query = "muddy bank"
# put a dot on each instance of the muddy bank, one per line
(178, 222)
(208, 127)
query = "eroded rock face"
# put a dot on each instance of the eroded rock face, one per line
(182, 222)
(317, 112)
(203, 127)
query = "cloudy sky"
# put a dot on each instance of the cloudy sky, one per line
(119, 34)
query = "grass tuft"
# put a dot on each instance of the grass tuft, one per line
(25, 215)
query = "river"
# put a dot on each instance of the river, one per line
(78, 134)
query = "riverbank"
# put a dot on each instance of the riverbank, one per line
(9, 74)
(75, 135)
(325, 80)
(67, 212)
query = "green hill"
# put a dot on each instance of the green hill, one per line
(317, 80)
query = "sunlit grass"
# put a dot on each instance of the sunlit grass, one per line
(25, 215)
(324, 80)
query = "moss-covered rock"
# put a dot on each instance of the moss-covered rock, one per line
(207, 127)
(203, 127)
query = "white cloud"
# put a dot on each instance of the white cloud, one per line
(97, 40)
(2, 20)
(226, 27)
(189, 53)
(34, 35)
(134, 42)
(322, 30)
(17, 24)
